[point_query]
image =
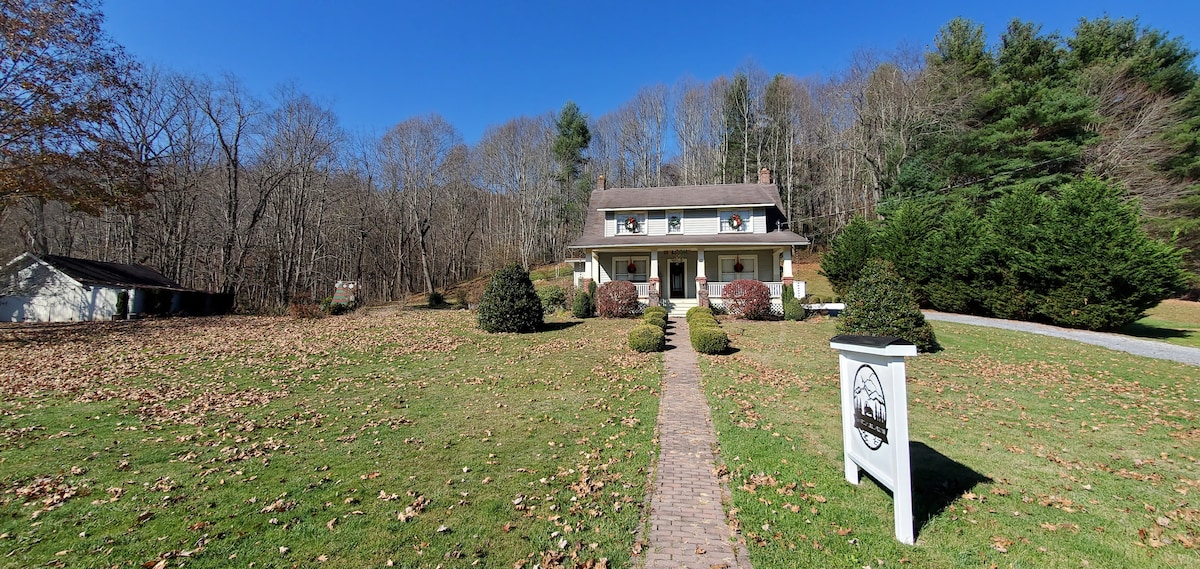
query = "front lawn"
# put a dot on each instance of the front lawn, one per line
(1028, 451)
(407, 439)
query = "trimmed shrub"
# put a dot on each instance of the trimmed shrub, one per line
(709, 340)
(509, 303)
(436, 299)
(647, 338)
(656, 320)
(553, 298)
(792, 309)
(747, 298)
(693, 311)
(703, 320)
(616, 299)
(583, 306)
(655, 310)
(882, 304)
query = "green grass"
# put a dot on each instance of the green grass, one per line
(349, 441)
(815, 283)
(1174, 321)
(1028, 451)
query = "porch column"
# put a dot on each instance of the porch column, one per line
(594, 264)
(797, 289)
(654, 294)
(701, 280)
(786, 277)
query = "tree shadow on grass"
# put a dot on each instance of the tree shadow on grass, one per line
(556, 326)
(1154, 332)
(938, 480)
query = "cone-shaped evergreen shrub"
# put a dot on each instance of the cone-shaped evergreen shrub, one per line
(848, 254)
(792, 307)
(646, 338)
(509, 302)
(881, 304)
(584, 305)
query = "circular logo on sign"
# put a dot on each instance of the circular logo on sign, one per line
(870, 408)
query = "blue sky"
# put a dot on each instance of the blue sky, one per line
(481, 63)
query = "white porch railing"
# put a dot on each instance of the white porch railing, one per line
(715, 289)
(643, 289)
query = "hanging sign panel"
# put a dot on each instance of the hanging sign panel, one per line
(875, 417)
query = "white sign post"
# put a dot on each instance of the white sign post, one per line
(875, 417)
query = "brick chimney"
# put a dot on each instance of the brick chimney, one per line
(764, 175)
(601, 185)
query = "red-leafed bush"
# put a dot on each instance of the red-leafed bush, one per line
(746, 298)
(616, 299)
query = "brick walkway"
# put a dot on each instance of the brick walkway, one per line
(687, 521)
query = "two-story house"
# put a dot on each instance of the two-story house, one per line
(680, 245)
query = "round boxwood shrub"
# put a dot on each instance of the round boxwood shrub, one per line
(704, 320)
(747, 298)
(616, 299)
(656, 320)
(709, 340)
(647, 338)
(693, 311)
(509, 303)
(882, 304)
(655, 310)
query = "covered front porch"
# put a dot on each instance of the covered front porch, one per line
(679, 279)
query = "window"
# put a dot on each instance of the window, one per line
(731, 263)
(734, 221)
(640, 266)
(674, 222)
(631, 222)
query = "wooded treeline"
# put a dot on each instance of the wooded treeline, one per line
(269, 198)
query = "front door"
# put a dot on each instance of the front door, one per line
(677, 286)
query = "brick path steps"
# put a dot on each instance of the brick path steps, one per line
(687, 520)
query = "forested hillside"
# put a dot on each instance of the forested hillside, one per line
(268, 197)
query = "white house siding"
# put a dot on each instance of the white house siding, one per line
(758, 220)
(610, 227)
(700, 222)
(38, 293)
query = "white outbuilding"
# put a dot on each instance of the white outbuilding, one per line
(53, 288)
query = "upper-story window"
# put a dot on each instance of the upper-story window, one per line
(734, 221)
(674, 222)
(631, 223)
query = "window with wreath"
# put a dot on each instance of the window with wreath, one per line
(674, 222)
(633, 269)
(734, 221)
(734, 267)
(631, 223)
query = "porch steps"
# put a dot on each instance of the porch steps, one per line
(678, 306)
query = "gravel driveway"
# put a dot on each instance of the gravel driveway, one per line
(1136, 346)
